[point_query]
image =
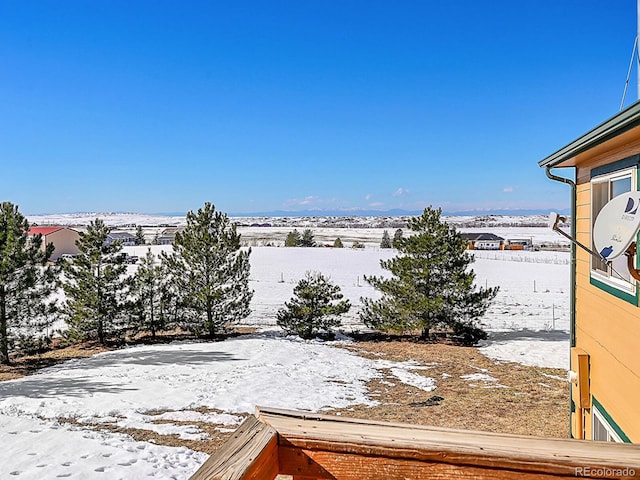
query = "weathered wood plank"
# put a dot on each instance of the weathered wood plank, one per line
(332, 466)
(250, 454)
(324, 443)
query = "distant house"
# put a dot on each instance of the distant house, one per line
(168, 235)
(64, 239)
(125, 238)
(483, 241)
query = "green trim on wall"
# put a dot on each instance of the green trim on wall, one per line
(610, 420)
(616, 292)
(632, 161)
(629, 162)
(573, 410)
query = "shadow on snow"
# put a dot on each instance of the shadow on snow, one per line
(525, 334)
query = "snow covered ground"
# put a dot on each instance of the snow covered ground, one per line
(528, 323)
(118, 387)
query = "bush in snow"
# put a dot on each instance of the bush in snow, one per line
(307, 239)
(397, 238)
(386, 240)
(293, 239)
(314, 308)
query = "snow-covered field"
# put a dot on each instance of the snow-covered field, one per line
(528, 322)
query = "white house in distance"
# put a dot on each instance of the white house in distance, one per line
(63, 238)
(483, 241)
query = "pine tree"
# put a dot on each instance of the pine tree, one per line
(96, 287)
(307, 239)
(430, 284)
(397, 238)
(315, 307)
(338, 243)
(386, 240)
(140, 236)
(210, 272)
(153, 298)
(293, 239)
(25, 284)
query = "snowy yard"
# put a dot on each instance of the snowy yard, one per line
(529, 322)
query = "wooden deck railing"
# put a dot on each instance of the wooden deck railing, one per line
(320, 447)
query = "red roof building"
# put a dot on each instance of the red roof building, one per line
(64, 239)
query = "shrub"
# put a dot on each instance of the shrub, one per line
(315, 307)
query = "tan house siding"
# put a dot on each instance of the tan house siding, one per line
(607, 319)
(606, 328)
(63, 239)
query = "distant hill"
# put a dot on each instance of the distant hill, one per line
(387, 219)
(393, 213)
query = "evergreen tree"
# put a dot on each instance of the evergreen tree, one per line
(140, 236)
(293, 239)
(96, 287)
(397, 238)
(386, 240)
(307, 239)
(25, 284)
(338, 243)
(210, 272)
(430, 284)
(315, 307)
(153, 298)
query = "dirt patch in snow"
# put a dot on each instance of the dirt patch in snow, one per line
(209, 445)
(495, 396)
(25, 365)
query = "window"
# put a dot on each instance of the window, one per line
(603, 189)
(601, 430)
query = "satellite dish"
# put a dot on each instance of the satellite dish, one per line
(617, 225)
(554, 218)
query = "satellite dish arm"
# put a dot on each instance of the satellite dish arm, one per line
(630, 252)
(555, 227)
(631, 261)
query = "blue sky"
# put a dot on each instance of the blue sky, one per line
(159, 106)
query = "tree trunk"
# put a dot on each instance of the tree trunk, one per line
(425, 334)
(152, 314)
(210, 325)
(101, 332)
(4, 341)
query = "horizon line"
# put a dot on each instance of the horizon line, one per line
(359, 212)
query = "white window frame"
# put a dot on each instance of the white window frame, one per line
(597, 416)
(597, 274)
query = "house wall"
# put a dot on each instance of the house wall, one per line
(64, 241)
(607, 328)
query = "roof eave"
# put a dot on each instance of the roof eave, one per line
(614, 126)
